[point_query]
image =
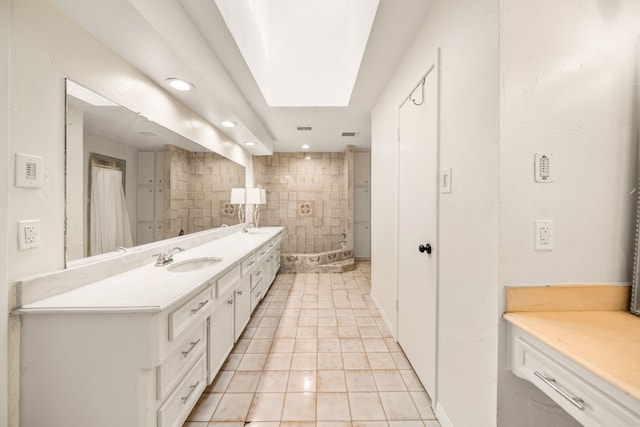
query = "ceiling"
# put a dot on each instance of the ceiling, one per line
(189, 39)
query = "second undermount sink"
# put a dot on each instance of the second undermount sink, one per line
(193, 264)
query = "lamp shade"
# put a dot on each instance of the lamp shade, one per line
(256, 196)
(238, 196)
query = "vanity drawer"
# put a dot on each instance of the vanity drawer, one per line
(173, 368)
(228, 281)
(256, 276)
(185, 316)
(578, 393)
(248, 264)
(176, 408)
(256, 295)
(262, 253)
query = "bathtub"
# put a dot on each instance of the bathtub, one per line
(336, 261)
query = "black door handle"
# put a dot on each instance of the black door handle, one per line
(425, 248)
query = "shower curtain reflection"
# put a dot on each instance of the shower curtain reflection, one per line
(109, 219)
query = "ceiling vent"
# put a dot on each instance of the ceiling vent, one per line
(349, 133)
(304, 128)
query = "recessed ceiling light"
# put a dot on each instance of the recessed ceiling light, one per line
(179, 84)
(251, 143)
(305, 147)
(229, 124)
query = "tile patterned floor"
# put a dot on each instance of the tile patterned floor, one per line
(316, 353)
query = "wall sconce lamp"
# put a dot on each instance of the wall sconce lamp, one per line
(238, 197)
(256, 197)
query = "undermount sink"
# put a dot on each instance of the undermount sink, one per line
(256, 231)
(193, 264)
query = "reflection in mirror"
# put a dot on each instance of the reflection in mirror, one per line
(130, 181)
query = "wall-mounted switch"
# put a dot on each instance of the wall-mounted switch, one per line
(28, 234)
(543, 235)
(29, 171)
(445, 180)
(542, 167)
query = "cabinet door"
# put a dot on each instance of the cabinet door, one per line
(361, 205)
(146, 203)
(220, 335)
(159, 169)
(362, 239)
(242, 306)
(362, 169)
(159, 204)
(158, 231)
(145, 233)
(146, 168)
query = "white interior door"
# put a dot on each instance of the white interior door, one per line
(417, 262)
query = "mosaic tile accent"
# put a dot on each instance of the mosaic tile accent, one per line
(305, 209)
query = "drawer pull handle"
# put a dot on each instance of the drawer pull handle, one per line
(195, 310)
(239, 291)
(551, 382)
(230, 301)
(251, 263)
(193, 388)
(193, 345)
(258, 273)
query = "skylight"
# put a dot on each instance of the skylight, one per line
(302, 53)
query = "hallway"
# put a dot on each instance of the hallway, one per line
(316, 352)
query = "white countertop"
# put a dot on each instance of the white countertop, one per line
(150, 288)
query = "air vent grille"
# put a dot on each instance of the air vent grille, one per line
(304, 128)
(351, 133)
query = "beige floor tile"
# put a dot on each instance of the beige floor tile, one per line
(399, 406)
(411, 380)
(233, 407)
(304, 361)
(298, 424)
(360, 380)
(308, 321)
(355, 360)
(262, 424)
(366, 320)
(286, 332)
(389, 380)
(432, 423)
(409, 423)
(374, 345)
(423, 403)
(328, 345)
(366, 406)
(328, 332)
(244, 382)
(220, 383)
(333, 424)
(259, 345)
(381, 361)
(369, 332)
(266, 407)
(273, 382)
(331, 381)
(330, 361)
(302, 381)
(282, 345)
(299, 407)
(241, 345)
(252, 362)
(307, 331)
(327, 321)
(232, 362)
(305, 345)
(351, 345)
(269, 322)
(333, 407)
(264, 332)
(278, 362)
(370, 424)
(401, 360)
(205, 408)
(225, 424)
(347, 321)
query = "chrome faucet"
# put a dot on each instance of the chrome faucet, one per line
(246, 227)
(165, 258)
(344, 237)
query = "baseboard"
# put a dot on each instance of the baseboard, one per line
(441, 415)
(384, 316)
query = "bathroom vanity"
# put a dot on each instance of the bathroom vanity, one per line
(138, 348)
(585, 357)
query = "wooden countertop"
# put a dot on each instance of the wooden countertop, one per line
(606, 343)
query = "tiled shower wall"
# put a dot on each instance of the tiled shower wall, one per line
(311, 198)
(198, 190)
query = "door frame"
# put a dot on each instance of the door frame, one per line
(431, 66)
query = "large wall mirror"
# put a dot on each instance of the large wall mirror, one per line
(130, 181)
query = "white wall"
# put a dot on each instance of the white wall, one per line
(467, 33)
(5, 31)
(47, 47)
(569, 81)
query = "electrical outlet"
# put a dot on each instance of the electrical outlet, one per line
(543, 235)
(28, 234)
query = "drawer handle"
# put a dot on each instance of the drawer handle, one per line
(230, 301)
(193, 345)
(195, 310)
(551, 382)
(239, 291)
(251, 263)
(193, 388)
(258, 273)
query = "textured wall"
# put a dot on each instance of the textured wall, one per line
(309, 197)
(198, 191)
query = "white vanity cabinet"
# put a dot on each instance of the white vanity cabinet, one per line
(109, 354)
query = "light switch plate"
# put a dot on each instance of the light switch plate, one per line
(29, 171)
